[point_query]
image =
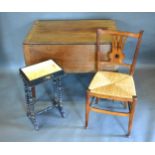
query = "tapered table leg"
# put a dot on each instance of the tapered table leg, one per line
(87, 109)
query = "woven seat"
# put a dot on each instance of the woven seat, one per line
(40, 70)
(113, 85)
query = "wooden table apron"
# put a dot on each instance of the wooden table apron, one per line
(71, 44)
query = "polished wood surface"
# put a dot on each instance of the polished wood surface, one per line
(71, 44)
(66, 32)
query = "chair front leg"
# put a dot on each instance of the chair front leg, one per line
(87, 109)
(131, 114)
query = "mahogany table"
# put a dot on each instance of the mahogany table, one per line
(70, 43)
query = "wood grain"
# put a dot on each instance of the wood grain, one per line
(67, 32)
(71, 44)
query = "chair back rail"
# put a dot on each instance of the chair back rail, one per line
(116, 55)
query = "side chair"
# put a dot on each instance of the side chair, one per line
(111, 84)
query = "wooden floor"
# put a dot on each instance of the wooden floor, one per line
(14, 125)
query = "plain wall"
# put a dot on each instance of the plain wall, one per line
(15, 26)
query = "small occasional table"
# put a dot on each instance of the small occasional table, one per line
(35, 74)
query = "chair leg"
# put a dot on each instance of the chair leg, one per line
(125, 105)
(87, 109)
(97, 100)
(131, 115)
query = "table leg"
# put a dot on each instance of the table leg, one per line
(30, 101)
(58, 95)
(33, 91)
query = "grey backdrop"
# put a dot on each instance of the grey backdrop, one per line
(14, 126)
(14, 27)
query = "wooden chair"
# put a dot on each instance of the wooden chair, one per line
(111, 85)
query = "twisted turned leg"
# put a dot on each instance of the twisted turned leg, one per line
(58, 95)
(30, 102)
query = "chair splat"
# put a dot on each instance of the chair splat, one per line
(116, 55)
